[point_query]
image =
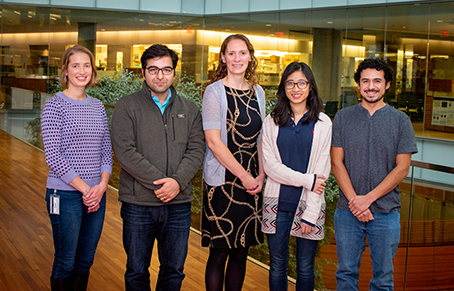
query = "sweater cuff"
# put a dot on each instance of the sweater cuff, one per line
(313, 184)
(68, 177)
(106, 168)
(307, 222)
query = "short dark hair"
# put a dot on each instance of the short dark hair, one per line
(282, 112)
(158, 51)
(374, 63)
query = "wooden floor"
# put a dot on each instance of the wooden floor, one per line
(26, 248)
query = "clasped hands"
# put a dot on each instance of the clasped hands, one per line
(93, 197)
(168, 191)
(253, 185)
(359, 206)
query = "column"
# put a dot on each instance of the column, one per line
(87, 35)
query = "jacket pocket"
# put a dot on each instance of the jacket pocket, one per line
(180, 127)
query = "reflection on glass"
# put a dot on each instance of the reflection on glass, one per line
(101, 57)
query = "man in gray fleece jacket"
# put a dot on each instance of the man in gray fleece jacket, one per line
(159, 143)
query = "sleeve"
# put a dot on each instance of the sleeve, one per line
(337, 131)
(51, 126)
(106, 153)
(262, 106)
(193, 156)
(407, 140)
(272, 165)
(211, 109)
(130, 159)
(322, 166)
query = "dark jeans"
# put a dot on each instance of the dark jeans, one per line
(169, 225)
(279, 256)
(76, 234)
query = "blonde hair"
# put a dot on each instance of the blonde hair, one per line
(65, 62)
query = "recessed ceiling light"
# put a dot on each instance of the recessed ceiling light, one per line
(329, 22)
(439, 20)
(268, 24)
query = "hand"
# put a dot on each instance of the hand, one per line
(320, 184)
(94, 196)
(359, 204)
(306, 228)
(260, 179)
(249, 183)
(366, 216)
(168, 191)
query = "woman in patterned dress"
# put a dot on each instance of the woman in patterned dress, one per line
(296, 145)
(233, 109)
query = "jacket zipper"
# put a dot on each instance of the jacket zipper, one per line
(167, 143)
(173, 126)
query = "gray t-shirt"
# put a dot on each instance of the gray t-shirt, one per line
(371, 144)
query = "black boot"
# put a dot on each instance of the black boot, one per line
(59, 284)
(80, 283)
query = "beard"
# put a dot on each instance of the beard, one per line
(370, 100)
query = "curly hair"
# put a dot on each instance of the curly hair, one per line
(374, 63)
(65, 62)
(282, 112)
(250, 74)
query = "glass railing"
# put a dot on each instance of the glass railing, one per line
(427, 220)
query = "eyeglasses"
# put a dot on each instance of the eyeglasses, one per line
(153, 70)
(301, 84)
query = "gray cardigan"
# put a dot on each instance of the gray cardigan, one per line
(214, 113)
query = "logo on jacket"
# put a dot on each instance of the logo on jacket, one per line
(181, 115)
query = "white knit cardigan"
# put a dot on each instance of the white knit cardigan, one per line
(311, 206)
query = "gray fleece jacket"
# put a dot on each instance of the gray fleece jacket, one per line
(151, 146)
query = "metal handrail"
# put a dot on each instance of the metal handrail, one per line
(435, 167)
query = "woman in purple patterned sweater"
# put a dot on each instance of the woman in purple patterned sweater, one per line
(79, 156)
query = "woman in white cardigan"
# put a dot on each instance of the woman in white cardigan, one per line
(296, 144)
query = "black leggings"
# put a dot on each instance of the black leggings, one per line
(236, 269)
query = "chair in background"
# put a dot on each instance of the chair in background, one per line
(408, 103)
(331, 108)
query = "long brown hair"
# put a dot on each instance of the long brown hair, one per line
(250, 75)
(65, 62)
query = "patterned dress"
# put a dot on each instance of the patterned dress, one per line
(231, 216)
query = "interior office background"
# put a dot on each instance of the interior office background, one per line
(415, 37)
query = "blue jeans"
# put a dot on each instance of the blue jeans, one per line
(76, 234)
(169, 225)
(383, 235)
(279, 256)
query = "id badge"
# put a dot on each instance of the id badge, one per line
(54, 204)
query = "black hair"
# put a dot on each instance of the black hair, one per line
(374, 63)
(282, 112)
(158, 51)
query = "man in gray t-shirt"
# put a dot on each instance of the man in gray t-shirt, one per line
(370, 154)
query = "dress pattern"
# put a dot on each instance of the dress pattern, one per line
(231, 216)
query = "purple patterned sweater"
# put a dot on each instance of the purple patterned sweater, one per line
(76, 141)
